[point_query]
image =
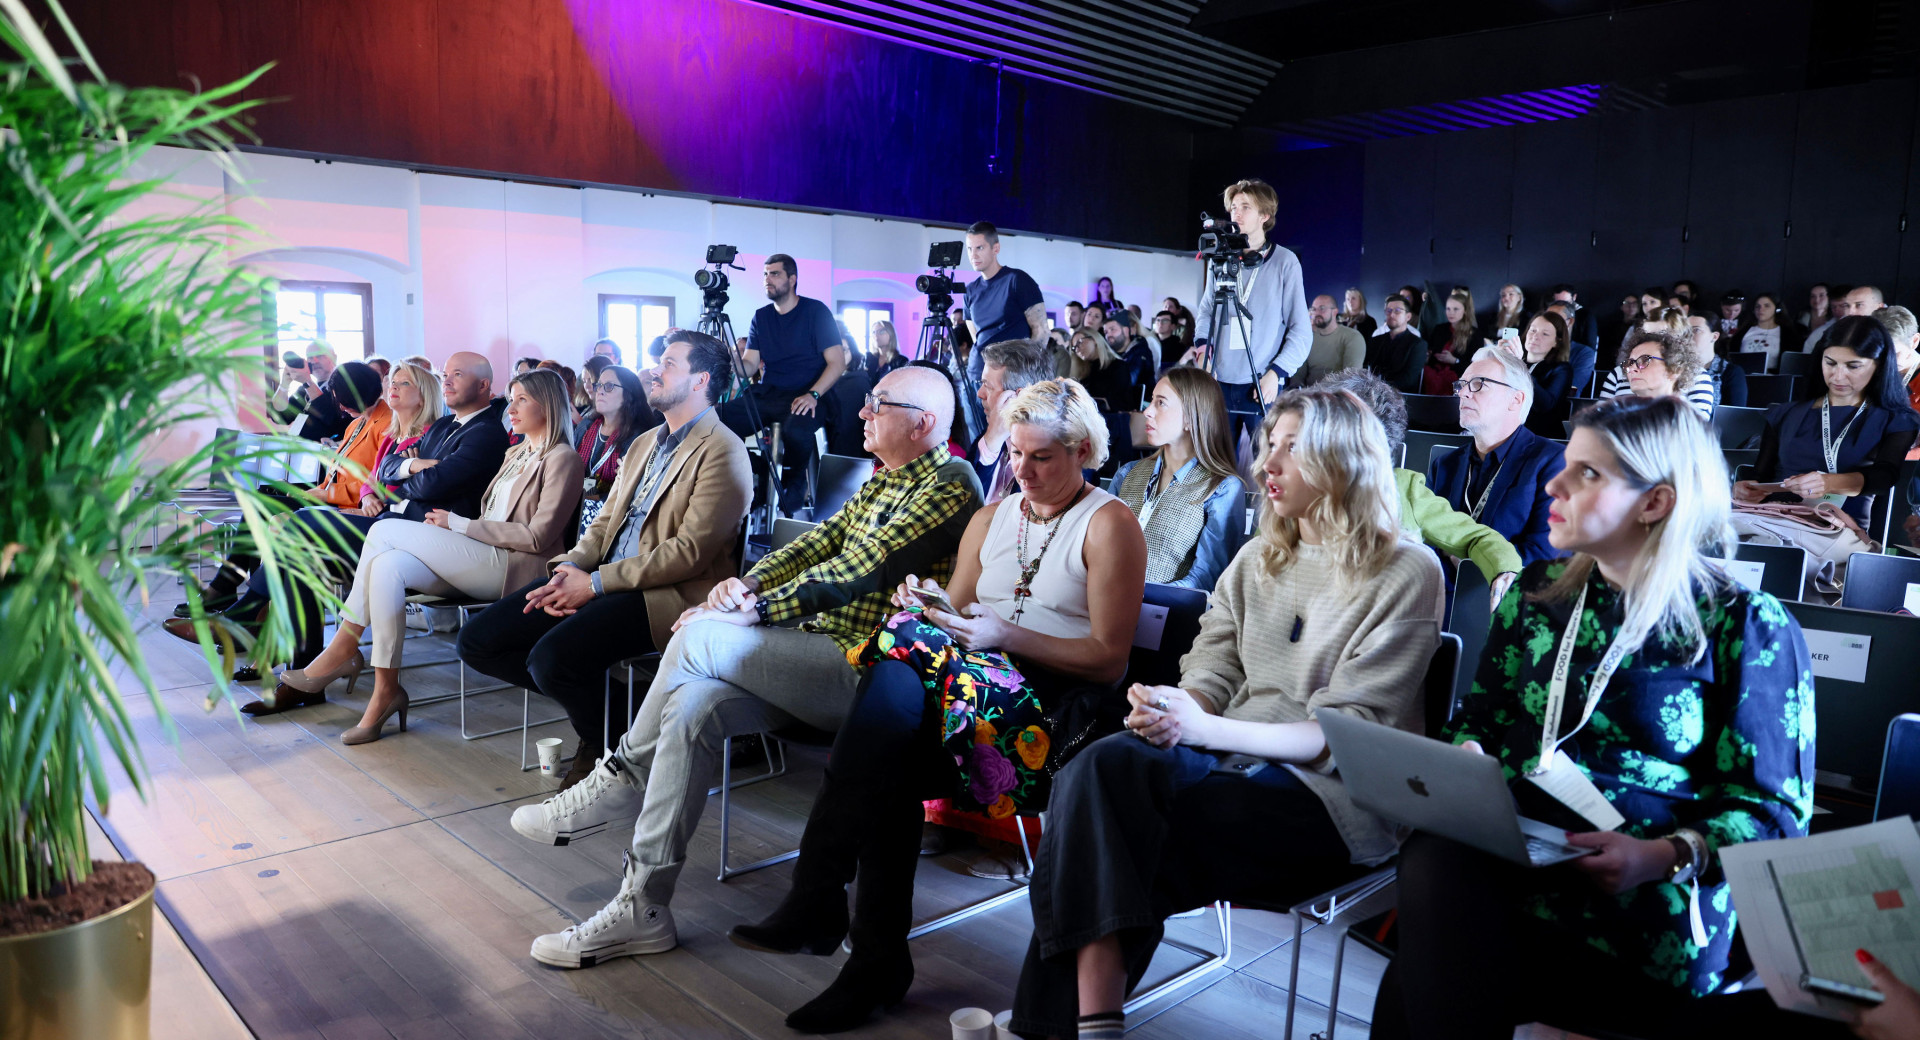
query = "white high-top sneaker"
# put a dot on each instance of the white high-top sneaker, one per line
(608, 793)
(620, 929)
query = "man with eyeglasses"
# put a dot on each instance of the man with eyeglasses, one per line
(1399, 354)
(1501, 480)
(732, 667)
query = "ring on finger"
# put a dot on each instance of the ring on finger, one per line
(1161, 704)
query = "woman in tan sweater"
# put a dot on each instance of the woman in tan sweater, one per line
(526, 519)
(1329, 609)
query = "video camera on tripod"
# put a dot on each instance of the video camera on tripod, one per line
(1224, 247)
(939, 286)
(1222, 243)
(712, 281)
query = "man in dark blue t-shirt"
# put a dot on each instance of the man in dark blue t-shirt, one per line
(1004, 302)
(794, 346)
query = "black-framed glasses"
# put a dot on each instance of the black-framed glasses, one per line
(874, 401)
(1477, 384)
(609, 385)
(1640, 362)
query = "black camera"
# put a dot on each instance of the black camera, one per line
(938, 283)
(721, 254)
(711, 279)
(945, 254)
(1220, 237)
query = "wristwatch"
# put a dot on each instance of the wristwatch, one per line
(815, 394)
(760, 609)
(1690, 858)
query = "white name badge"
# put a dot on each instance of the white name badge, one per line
(1747, 572)
(1913, 599)
(1570, 787)
(1152, 625)
(1838, 655)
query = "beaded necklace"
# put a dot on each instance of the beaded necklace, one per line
(1023, 588)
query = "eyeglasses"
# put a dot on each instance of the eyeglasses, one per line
(874, 401)
(607, 387)
(1640, 363)
(1477, 384)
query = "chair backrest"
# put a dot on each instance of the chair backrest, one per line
(1439, 412)
(1796, 363)
(1169, 619)
(225, 445)
(786, 529)
(1420, 447)
(1783, 571)
(1435, 453)
(1470, 618)
(1738, 427)
(1882, 583)
(1765, 390)
(1754, 361)
(1737, 457)
(1580, 404)
(1899, 793)
(840, 477)
(1441, 690)
(1863, 668)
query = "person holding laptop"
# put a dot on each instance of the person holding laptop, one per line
(1670, 713)
(1331, 609)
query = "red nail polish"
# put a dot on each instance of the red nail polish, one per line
(1863, 956)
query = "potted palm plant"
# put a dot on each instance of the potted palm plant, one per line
(121, 322)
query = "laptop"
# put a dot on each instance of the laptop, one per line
(1435, 787)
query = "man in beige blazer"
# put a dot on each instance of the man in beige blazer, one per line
(669, 533)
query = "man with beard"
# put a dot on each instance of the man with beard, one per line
(794, 346)
(668, 535)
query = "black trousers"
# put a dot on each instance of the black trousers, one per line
(1136, 834)
(797, 447)
(1470, 965)
(343, 534)
(565, 658)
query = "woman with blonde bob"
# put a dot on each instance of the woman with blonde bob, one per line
(524, 521)
(1687, 705)
(1187, 494)
(1331, 609)
(976, 693)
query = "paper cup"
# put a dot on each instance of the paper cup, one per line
(1000, 1030)
(972, 1024)
(549, 751)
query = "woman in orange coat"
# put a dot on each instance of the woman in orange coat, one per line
(359, 389)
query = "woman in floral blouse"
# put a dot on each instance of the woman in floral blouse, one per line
(1699, 733)
(981, 703)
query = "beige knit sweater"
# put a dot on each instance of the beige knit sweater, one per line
(1362, 650)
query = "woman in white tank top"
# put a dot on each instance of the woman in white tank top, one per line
(1014, 667)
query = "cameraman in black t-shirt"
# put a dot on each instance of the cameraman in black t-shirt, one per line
(794, 346)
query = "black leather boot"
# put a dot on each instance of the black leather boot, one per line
(880, 971)
(813, 916)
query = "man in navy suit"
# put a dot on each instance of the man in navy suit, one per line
(1501, 481)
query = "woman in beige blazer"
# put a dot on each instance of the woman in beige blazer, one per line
(525, 516)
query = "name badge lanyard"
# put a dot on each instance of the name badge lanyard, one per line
(1550, 737)
(1486, 493)
(1829, 447)
(610, 444)
(1152, 494)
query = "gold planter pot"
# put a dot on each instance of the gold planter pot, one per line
(87, 981)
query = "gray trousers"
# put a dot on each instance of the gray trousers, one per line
(719, 680)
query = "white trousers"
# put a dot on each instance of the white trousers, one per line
(407, 555)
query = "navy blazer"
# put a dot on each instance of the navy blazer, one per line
(1518, 505)
(469, 455)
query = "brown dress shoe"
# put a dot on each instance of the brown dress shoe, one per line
(285, 698)
(179, 628)
(580, 769)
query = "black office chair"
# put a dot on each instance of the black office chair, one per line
(1420, 445)
(1882, 583)
(1740, 457)
(1470, 619)
(840, 478)
(1754, 361)
(1784, 573)
(1899, 793)
(1766, 390)
(1795, 363)
(1439, 412)
(1739, 427)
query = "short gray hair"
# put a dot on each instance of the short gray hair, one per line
(1380, 397)
(1899, 323)
(1063, 408)
(1025, 361)
(1516, 373)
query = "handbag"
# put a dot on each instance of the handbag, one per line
(1823, 529)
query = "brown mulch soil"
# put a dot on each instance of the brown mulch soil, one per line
(112, 886)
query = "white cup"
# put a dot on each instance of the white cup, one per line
(1000, 1030)
(972, 1024)
(549, 751)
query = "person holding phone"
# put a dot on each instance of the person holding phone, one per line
(1546, 350)
(1639, 672)
(976, 692)
(1331, 609)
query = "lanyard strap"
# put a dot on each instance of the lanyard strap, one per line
(1153, 493)
(1830, 448)
(1550, 738)
(1486, 492)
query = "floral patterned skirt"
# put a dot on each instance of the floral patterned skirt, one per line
(993, 721)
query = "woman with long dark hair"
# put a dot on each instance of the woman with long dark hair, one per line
(620, 414)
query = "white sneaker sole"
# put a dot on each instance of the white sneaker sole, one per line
(587, 959)
(544, 836)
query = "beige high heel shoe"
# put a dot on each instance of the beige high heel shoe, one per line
(369, 734)
(297, 688)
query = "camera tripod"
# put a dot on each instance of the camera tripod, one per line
(714, 322)
(936, 345)
(1224, 310)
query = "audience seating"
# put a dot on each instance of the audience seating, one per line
(1739, 427)
(1853, 716)
(1420, 444)
(1899, 792)
(1580, 404)
(1439, 412)
(839, 478)
(1738, 457)
(1470, 618)
(466, 606)
(1765, 390)
(1754, 361)
(1795, 363)
(1882, 583)
(1785, 568)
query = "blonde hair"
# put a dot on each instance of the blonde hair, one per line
(1206, 412)
(1103, 356)
(420, 361)
(1656, 441)
(433, 404)
(549, 391)
(873, 336)
(1264, 199)
(1357, 295)
(1342, 451)
(1504, 318)
(1064, 409)
(1463, 329)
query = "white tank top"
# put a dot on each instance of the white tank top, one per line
(1058, 605)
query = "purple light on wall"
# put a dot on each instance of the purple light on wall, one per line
(1533, 106)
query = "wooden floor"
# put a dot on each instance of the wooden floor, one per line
(377, 891)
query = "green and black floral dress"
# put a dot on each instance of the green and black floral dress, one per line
(1723, 746)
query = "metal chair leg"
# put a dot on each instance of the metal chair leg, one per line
(1210, 962)
(725, 791)
(991, 902)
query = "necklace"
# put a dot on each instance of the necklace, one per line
(1023, 588)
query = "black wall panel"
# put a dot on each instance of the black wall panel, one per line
(1741, 182)
(1397, 223)
(1472, 208)
(1849, 183)
(1552, 221)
